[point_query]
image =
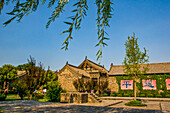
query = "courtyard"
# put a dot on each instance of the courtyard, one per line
(106, 106)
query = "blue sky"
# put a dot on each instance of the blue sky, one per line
(149, 19)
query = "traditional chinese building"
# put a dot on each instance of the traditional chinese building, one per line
(92, 71)
(87, 70)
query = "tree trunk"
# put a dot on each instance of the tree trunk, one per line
(135, 88)
(6, 82)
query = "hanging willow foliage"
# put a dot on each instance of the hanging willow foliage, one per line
(104, 10)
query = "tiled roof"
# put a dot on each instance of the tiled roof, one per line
(94, 65)
(21, 73)
(79, 71)
(154, 68)
(75, 70)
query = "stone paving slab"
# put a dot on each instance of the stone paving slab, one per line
(165, 106)
(150, 105)
(104, 103)
(31, 106)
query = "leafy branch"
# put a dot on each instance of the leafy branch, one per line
(104, 10)
(76, 20)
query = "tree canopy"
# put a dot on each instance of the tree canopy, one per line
(134, 58)
(8, 73)
(104, 9)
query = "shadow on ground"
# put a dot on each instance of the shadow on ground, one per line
(34, 106)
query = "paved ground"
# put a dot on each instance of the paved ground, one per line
(131, 98)
(116, 106)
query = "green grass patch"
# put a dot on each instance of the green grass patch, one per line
(135, 103)
(44, 100)
(12, 99)
(12, 95)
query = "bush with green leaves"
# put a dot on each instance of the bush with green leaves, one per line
(12, 91)
(119, 95)
(158, 96)
(167, 96)
(142, 95)
(126, 95)
(38, 95)
(135, 103)
(21, 88)
(150, 95)
(112, 95)
(104, 95)
(2, 97)
(54, 90)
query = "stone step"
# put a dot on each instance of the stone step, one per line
(96, 97)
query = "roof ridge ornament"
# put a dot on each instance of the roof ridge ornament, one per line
(85, 57)
(66, 62)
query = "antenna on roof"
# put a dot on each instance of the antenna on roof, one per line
(86, 57)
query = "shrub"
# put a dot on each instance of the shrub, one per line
(142, 95)
(167, 96)
(104, 94)
(2, 97)
(150, 95)
(12, 91)
(38, 95)
(135, 103)
(158, 95)
(53, 91)
(163, 94)
(119, 95)
(21, 88)
(113, 95)
(126, 95)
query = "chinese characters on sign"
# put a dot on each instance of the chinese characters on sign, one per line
(126, 84)
(149, 84)
(168, 83)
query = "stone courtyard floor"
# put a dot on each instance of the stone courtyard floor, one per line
(107, 106)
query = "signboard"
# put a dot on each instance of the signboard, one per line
(149, 84)
(168, 83)
(126, 84)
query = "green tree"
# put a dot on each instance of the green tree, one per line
(21, 67)
(35, 77)
(133, 60)
(21, 88)
(54, 90)
(104, 9)
(7, 74)
(1, 78)
(51, 76)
